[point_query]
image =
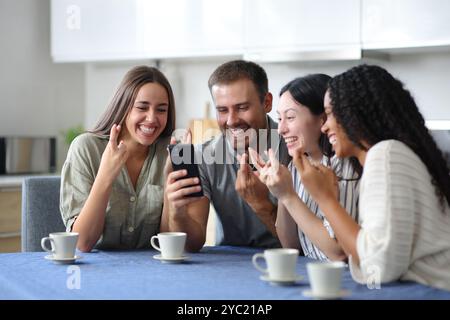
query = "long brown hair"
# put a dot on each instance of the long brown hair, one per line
(124, 98)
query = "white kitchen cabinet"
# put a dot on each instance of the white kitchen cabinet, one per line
(91, 30)
(405, 23)
(262, 30)
(191, 28)
(10, 217)
(286, 28)
(98, 30)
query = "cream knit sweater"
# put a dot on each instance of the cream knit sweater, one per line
(404, 233)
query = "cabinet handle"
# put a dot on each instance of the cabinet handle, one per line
(9, 234)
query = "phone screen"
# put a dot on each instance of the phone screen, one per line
(182, 157)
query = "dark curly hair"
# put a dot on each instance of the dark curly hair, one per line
(372, 106)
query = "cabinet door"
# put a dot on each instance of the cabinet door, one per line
(96, 30)
(90, 30)
(186, 28)
(405, 23)
(10, 219)
(301, 24)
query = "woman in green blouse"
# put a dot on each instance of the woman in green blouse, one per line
(112, 183)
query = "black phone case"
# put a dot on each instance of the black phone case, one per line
(178, 151)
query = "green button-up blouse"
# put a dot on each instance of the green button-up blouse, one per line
(132, 216)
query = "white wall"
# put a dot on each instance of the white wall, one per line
(40, 98)
(424, 74)
(101, 81)
(37, 97)
(188, 81)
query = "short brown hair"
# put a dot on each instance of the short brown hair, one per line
(123, 99)
(240, 69)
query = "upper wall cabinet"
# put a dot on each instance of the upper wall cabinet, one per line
(284, 29)
(405, 23)
(190, 28)
(95, 30)
(89, 30)
(261, 30)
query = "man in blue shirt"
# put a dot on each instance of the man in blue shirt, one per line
(245, 209)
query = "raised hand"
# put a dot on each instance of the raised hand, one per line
(114, 156)
(273, 174)
(248, 185)
(320, 181)
(256, 193)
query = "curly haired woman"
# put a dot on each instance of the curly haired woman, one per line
(404, 216)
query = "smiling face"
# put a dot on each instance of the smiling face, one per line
(342, 145)
(148, 115)
(296, 121)
(239, 109)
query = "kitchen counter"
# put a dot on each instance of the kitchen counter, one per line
(15, 181)
(11, 209)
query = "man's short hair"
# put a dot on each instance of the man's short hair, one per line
(239, 69)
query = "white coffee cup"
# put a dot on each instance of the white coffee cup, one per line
(171, 244)
(325, 277)
(281, 263)
(63, 244)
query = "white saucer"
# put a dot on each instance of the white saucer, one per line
(341, 294)
(170, 260)
(288, 282)
(62, 260)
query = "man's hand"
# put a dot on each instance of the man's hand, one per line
(253, 191)
(256, 194)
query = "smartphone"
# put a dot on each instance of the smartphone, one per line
(182, 157)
